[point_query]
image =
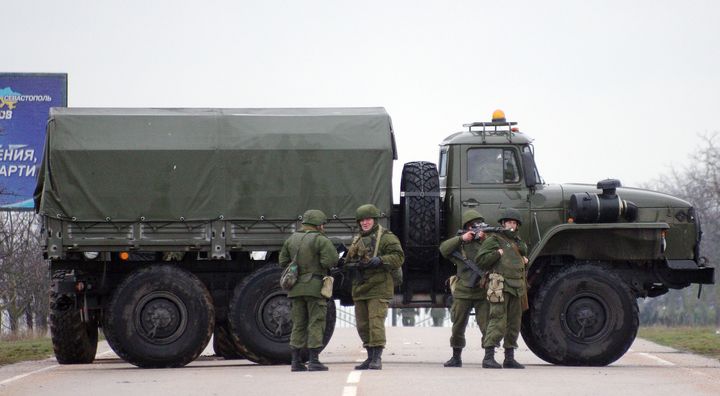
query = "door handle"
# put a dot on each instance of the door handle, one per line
(470, 203)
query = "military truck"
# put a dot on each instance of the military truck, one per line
(163, 227)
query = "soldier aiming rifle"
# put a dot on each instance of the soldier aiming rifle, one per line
(467, 289)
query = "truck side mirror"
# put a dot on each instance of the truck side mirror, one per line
(529, 170)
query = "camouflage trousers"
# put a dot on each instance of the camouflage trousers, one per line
(504, 322)
(460, 314)
(308, 317)
(370, 321)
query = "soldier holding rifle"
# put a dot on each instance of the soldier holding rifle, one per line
(378, 256)
(503, 254)
(466, 288)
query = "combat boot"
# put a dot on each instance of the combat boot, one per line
(314, 363)
(455, 360)
(489, 359)
(376, 362)
(296, 363)
(510, 361)
(366, 364)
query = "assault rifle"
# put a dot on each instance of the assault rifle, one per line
(477, 273)
(480, 227)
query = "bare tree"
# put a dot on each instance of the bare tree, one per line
(23, 273)
(698, 183)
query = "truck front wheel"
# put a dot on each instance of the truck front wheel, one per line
(159, 316)
(584, 315)
(260, 317)
(74, 341)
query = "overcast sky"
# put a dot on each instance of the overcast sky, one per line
(618, 89)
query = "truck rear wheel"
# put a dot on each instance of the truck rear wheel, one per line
(584, 315)
(260, 317)
(74, 341)
(159, 316)
(224, 344)
(420, 209)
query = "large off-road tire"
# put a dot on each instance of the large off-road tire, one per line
(421, 214)
(224, 344)
(583, 315)
(260, 319)
(159, 316)
(74, 341)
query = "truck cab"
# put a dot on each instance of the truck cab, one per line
(594, 249)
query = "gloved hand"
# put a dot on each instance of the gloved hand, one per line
(374, 262)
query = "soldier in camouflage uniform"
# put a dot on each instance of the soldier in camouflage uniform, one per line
(378, 253)
(315, 255)
(465, 296)
(504, 254)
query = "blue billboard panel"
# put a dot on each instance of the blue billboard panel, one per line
(25, 102)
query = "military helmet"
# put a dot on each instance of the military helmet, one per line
(471, 215)
(314, 217)
(367, 211)
(510, 214)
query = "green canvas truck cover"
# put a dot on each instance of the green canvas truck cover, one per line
(203, 164)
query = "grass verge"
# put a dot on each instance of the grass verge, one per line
(13, 351)
(701, 340)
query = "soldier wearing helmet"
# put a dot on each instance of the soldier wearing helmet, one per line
(378, 255)
(466, 296)
(314, 255)
(504, 255)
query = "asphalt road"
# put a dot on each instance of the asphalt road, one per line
(412, 365)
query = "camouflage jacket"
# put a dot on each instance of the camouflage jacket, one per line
(464, 273)
(510, 265)
(376, 282)
(315, 256)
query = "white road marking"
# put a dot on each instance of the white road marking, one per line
(17, 377)
(354, 377)
(352, 380)
(657, 359)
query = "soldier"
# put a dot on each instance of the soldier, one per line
(466, 296)
(314, 255)
(378, 253)
(504, 255)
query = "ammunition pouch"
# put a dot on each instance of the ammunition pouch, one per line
(327, 287)
(495, 288)
(289, 276)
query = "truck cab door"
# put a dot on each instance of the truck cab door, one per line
(491, 181)
(450, 187)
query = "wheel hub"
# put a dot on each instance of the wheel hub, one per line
(585, 318)
(160, 317)
(274, 315)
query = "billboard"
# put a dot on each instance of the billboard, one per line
(25, 102)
